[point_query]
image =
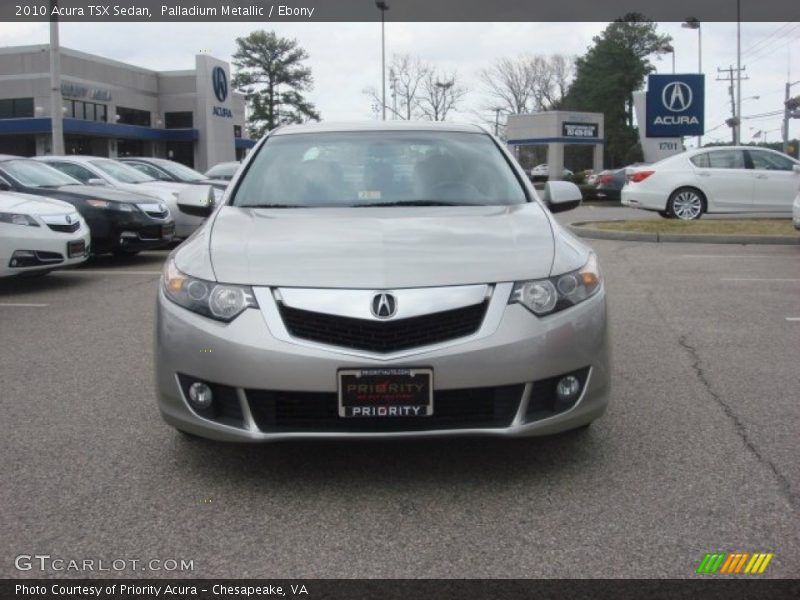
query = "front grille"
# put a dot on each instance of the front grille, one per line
(473, 408)
(150, 233)
(66, 228)
(383, 336)
(157, 214)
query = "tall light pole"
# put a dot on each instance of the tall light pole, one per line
(787, 114)
(56, 111)
(737, 130)
(694, 23)
(383, 7)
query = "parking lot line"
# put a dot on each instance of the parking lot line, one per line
(22, 305)
(793, 318)
(792, 256)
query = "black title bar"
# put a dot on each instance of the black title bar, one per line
(259, 11)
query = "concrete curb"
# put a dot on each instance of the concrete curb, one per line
(583, 229)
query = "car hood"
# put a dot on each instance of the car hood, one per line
(380, 248)
(102, 192)
(33, 205)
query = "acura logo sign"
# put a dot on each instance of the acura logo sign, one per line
(676, 96)
(384, 306)
(219, 81)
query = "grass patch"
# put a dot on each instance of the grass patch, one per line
(704, 226)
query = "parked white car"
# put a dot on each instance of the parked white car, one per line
(796, 211)
(92, 170)
(731, 179)
(39, 234)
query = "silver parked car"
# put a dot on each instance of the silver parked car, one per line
(394, 279)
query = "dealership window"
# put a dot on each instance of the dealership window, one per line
(133, 116)
(16, 108)
(86, 111)
(237, 131)
(179, 120)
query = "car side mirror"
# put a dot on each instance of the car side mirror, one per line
(95, 181)
(196, 200)
(561, 196)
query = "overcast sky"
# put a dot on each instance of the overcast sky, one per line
(345, 57)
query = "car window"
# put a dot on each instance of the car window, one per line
(379, 167)
(768, 161)
(80, 173)
(35, 174)
(149, 170)
(181, 172)
(121, 172)
(726, 159)
(700, 160)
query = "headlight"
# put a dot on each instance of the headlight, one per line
(105, 204)
(17, 219)
(545, 296)
(218, 301)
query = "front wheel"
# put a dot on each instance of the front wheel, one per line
(686, 204)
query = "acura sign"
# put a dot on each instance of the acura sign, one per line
(675, 105)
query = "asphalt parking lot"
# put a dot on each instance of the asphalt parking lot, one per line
(697, 453)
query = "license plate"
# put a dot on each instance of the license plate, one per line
(385, 393)
(76, 248)
(168, 231)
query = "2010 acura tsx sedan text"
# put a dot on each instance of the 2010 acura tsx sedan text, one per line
(381, 280)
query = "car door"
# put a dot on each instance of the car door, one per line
(723, 177)
(775, 182)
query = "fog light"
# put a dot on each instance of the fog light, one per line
(568, 388)
(200, 395)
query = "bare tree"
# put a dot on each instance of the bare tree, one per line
(440, 95)
(406, 76)
(527, 83)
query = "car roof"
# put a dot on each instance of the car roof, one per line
(363, 126)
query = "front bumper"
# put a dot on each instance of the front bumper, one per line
(521, 352)
(51, 248)
(114, 230)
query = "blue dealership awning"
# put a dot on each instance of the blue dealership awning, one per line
(244, 143)
(97, 129)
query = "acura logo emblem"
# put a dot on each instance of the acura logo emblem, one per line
(676, 96)
(384, 306)
(219, 82)
(68, 219)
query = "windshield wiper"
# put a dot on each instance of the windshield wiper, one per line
(410, 203)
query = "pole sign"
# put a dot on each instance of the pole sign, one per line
(675, 105)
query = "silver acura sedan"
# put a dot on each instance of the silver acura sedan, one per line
(394, 279)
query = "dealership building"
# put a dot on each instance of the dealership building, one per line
(115, 109)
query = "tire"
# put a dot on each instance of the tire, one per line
(687, 204)
(665, 214)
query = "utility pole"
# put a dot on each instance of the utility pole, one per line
(735, 121)
(56, 111)
(739, 70)
(789, 112)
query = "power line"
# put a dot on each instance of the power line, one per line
(766, 39)
(768, 49)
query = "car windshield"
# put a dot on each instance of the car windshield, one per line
(35, 174)
(180, 171)
(121, 172)
(379, 168)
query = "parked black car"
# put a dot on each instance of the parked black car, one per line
(120, 222)
(169, 170)
(610, 184)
